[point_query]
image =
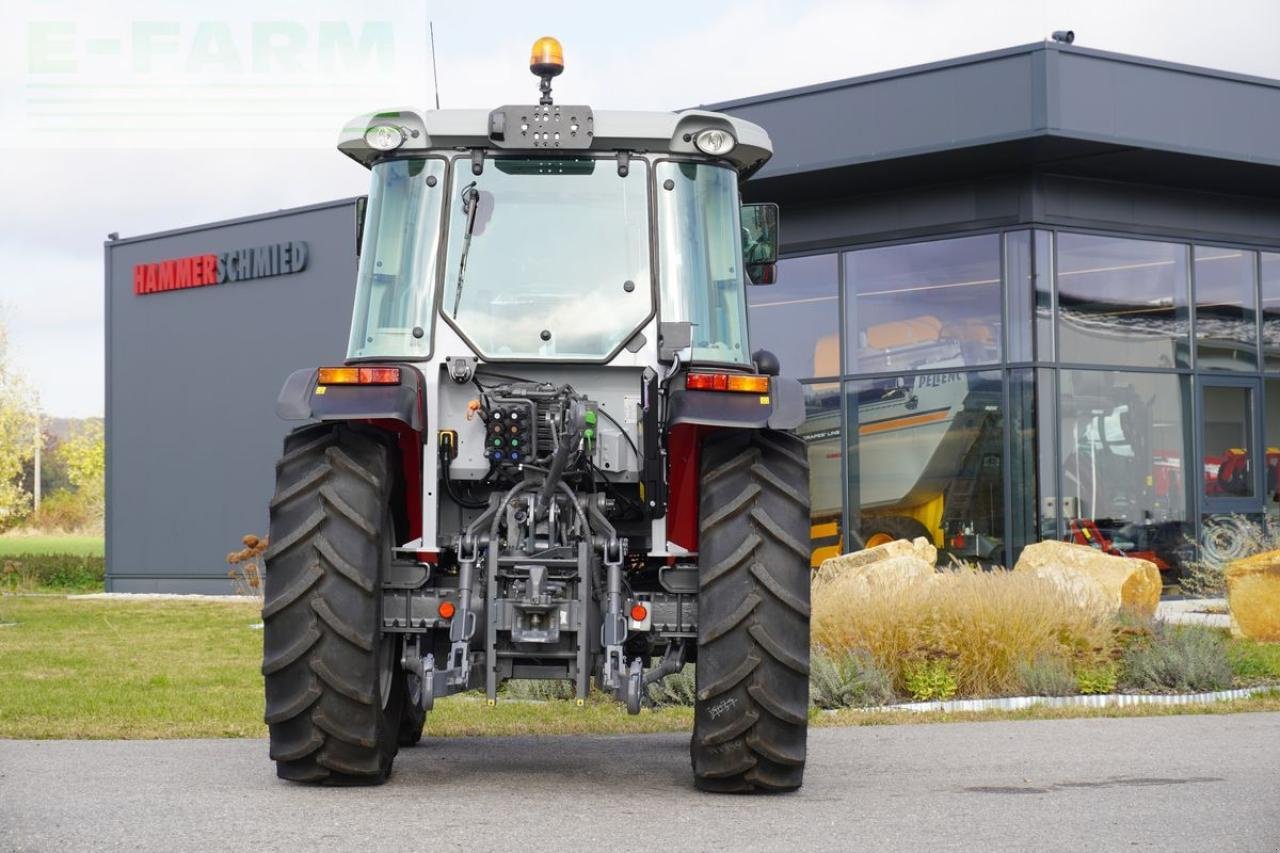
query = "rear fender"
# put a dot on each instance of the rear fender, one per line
(694, 414)
(302, 399)
(781, 408)
(400, 410)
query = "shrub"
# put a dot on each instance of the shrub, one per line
(66, 511)
(1179, 658)
(247, 570)
(538, 689)
(929, 680)
(55, 572)
(984, 624)
(1047, 676)
(848, 680)
(676, 689)
(1098, 679)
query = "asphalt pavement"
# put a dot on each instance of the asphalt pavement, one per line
(1194, 783)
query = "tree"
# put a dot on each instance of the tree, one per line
(84, 454)
(17, 434)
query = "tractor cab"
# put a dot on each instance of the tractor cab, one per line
(557, 232)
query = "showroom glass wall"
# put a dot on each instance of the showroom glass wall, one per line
(990, 390)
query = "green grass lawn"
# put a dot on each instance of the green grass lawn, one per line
(81, 546)
(170, 669)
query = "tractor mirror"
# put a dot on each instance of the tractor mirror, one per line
(759, 233)
(362, 205)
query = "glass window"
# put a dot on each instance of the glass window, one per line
(699, 258)
(1025, 452)
(533, 241)
(821, 435)
(1043, 257)
(923, 305)
(927, 461)
(1271, 434)
(1019, 295)
(1047, 452)
(1124, 441)
(1228, 442)
(1226, 309)
(797, 319)
(395, 286)
(1121, 302)
(1270, 269)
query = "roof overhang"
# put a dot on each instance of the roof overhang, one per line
(1043, 106)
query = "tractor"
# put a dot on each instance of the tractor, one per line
(550, 452)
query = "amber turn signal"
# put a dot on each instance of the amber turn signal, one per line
(747, 382)
(358, 376)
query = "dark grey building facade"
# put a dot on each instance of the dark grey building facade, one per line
(1031, 293)
(192, 377)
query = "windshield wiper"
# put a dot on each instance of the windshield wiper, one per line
(470, 203)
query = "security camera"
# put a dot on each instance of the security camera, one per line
(1064, 36)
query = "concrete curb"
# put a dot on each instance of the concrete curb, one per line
(163, 596)
(1107, 700)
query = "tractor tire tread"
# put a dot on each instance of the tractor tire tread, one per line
(323, 657)
(751, 706)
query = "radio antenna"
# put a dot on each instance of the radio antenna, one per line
(435, 80)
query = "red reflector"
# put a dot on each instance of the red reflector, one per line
(639, 613)
(379, 376)
(446, 610)
(358, 376)
(957, 542)
(748, 382)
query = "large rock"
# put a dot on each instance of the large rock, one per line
(1253, 594)
(1090, 576)
(893, 562)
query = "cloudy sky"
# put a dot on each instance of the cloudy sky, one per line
(134, 116)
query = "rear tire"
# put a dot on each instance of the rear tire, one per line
(878, 531)
(334, 692)
(751, 713)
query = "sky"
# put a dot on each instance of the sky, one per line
(135, 116)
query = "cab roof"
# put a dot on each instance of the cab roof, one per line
(635, 132)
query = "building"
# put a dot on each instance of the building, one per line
(1031, 293)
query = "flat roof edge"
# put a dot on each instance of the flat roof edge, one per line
(988, 56)
(222, 223)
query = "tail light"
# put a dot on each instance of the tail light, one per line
(358, 376)
(747, 382)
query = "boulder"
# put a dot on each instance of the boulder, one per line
(1253, 594)
(1091, 576)
(897, 561)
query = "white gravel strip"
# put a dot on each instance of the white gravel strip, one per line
(1106, 700)
(163, 596)
(1195, 611)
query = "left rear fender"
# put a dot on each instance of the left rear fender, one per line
(302, 399)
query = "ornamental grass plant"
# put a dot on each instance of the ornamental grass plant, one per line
(983, 628)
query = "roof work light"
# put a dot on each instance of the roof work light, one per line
(715, 142)
(384, 137)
